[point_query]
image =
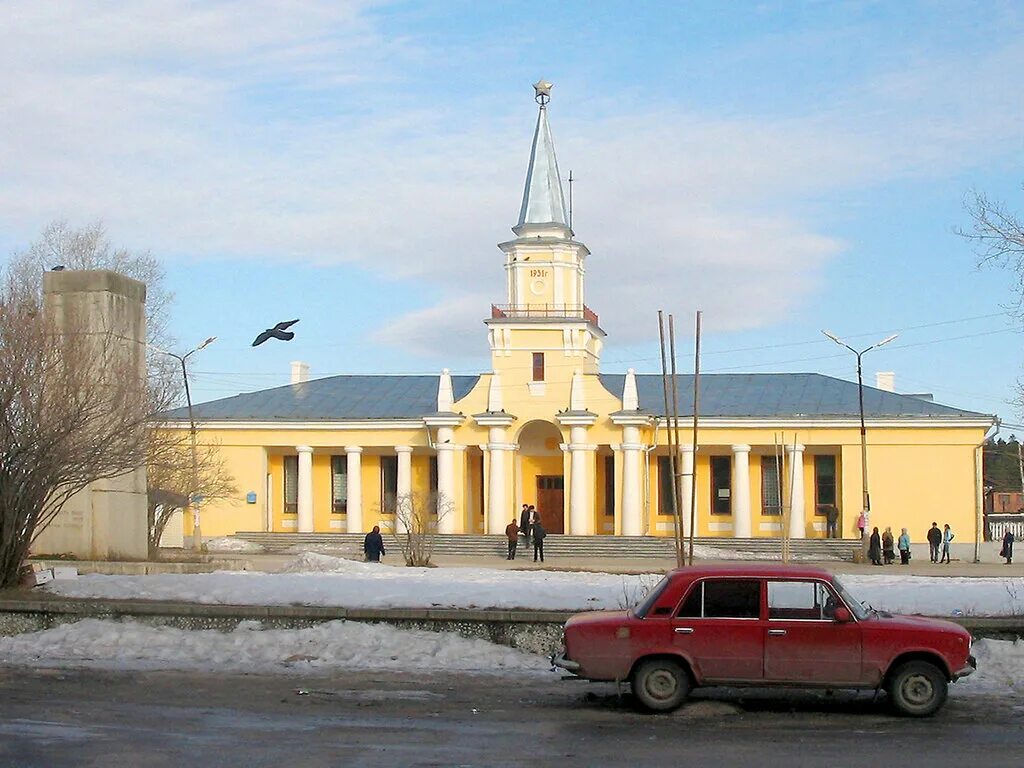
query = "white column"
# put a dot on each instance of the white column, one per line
(632, 524)
(797, 521)
(686, 455)
(354, 475)
(741, 491)
(445, 480)
(579, 498)
(403, 494)
(497, 501)
(305, 488)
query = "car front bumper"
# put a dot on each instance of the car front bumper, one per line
(970, 669)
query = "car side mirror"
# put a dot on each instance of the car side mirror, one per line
(842, 615)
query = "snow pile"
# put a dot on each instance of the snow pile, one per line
(317, 579)
(230, 544)
(336, 645)
(1000, 669)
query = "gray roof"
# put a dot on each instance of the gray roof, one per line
(336, 398)
(780, 395)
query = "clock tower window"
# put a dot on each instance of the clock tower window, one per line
(538, 366)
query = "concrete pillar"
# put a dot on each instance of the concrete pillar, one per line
(580, 505)
(632, 503)
(305, 488)
(686, 455)
(354, 474)
(741, 491)
(403, 494)
(445, 480)
(797, 515)
(497, 499)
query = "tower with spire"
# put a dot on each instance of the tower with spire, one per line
(544, 314)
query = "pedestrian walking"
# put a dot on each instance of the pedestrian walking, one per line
(888, 551)
(947, 537)
(934, 541)
(875, 547)
(538, 541)
(524, 525)
(903, 544)
(373, 545)
(862, 523)
(512, 534)
(1007, 550)
(831, 521)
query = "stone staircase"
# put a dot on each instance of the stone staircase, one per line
(560, 545)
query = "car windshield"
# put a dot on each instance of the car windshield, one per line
(853, 603)
(640, 609)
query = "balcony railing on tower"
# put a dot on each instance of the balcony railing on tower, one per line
(544, 311)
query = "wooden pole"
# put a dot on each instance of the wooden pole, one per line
(696, 410)
(678, 534)
(677, 488)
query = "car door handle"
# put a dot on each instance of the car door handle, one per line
(684, 630)
(776, 632)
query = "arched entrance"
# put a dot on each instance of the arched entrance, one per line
(542, 472)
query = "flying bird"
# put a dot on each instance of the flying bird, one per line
(279, 331)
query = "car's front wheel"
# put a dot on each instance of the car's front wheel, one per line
(917, 689)
(661, 685)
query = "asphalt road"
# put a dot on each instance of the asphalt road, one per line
(90, 718)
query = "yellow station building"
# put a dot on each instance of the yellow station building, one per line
(590, 450)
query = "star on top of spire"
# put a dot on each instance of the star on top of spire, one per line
(542, 91)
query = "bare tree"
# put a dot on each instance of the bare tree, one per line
(415, 524)
(74, 409)
(169, 479)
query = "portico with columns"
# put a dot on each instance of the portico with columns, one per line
(545, 426)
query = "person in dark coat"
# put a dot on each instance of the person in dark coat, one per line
(934, 541)
(831, 521)
(875, 547)
(1007, 550)
(538, 540)
(373, 545)
(524, 524)
(512, 534)
(888, 552)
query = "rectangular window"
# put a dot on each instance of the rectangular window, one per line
(291, 485)
(339, 484)
(388, 482)
(800, 601)
(433, 484)
(721, 485)
(824, 483)
(538, 366)
(666, 497)
(609, 486)
(771, 496)
(723, 599)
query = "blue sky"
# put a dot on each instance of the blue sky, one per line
(783, 166)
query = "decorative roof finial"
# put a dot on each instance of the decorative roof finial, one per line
(542, 92)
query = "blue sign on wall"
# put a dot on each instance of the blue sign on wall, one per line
(250, 497)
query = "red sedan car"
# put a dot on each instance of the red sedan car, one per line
(765, 625)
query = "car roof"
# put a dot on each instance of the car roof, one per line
(752, 569)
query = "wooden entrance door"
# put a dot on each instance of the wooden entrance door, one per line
(550, 502)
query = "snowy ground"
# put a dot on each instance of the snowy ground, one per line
(316, 579)
(347, 646)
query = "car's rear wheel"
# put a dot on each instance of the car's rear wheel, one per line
(917, 689)
(661, 685)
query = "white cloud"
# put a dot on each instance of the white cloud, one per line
(267, 130)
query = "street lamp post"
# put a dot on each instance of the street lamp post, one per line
(866, 500)
(193, 496)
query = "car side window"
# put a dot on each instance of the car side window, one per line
(800, 601)
(723, 599)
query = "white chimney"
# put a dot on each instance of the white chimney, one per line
(885, 380)
(300, 371)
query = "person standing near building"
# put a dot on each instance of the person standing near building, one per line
(888, 553)
(524, 524)
(538, 540)
(934, 541)
(373, 545)
(512, 534)
(904, 547)
(875, 547)
(862, 523)
(831, 521)
(1007, 550)
(947, 537)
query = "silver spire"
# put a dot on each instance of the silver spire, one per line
(543, 202)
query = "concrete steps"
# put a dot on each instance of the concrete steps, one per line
(475, 545)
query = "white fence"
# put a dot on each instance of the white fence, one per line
(998, 525)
